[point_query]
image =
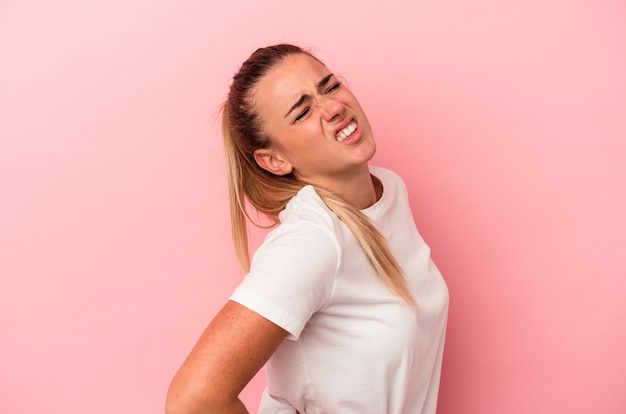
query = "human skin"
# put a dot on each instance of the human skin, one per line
(231, 350)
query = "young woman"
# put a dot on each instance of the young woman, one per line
(342, 299)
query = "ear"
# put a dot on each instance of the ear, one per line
(271, 161)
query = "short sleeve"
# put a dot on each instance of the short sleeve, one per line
(292, 276)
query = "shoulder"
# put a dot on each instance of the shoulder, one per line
(306, 208)
(394, 187)
(386, 175)
(293, 272)
(305, 240)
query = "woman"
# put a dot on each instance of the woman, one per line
(342, 299)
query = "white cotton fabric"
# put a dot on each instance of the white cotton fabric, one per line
(353, 347)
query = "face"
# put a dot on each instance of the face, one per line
(318, 130)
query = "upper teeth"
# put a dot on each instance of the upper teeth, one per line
(347, 131)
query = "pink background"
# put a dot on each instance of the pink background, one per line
(506, 119)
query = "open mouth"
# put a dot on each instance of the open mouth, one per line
(346, 132)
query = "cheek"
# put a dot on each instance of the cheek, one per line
(300, 140)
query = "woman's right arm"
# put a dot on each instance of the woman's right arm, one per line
(232, 349)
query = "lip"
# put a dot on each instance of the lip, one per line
(354, 137)
(344, 124)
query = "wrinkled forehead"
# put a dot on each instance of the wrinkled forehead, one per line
(286, 82)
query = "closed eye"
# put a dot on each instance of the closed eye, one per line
(302, 114)
(333, 87)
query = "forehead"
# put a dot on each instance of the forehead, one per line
(285, 83)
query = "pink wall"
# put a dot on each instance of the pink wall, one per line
(506, 119)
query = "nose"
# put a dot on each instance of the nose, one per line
(332, 109)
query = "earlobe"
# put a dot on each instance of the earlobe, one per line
(272, 162)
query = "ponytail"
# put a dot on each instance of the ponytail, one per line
(372, 242)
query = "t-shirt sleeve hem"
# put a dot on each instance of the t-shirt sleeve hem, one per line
(270, 312)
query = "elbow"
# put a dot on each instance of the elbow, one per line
(173, 406)
(183, 400)
(177, 404)
(189, 399)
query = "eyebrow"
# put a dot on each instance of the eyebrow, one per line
(304, 97)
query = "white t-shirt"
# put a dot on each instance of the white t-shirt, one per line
(353, 347)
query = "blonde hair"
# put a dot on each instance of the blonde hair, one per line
(269, 193)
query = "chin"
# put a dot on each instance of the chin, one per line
(372, 150)
(368, 154)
